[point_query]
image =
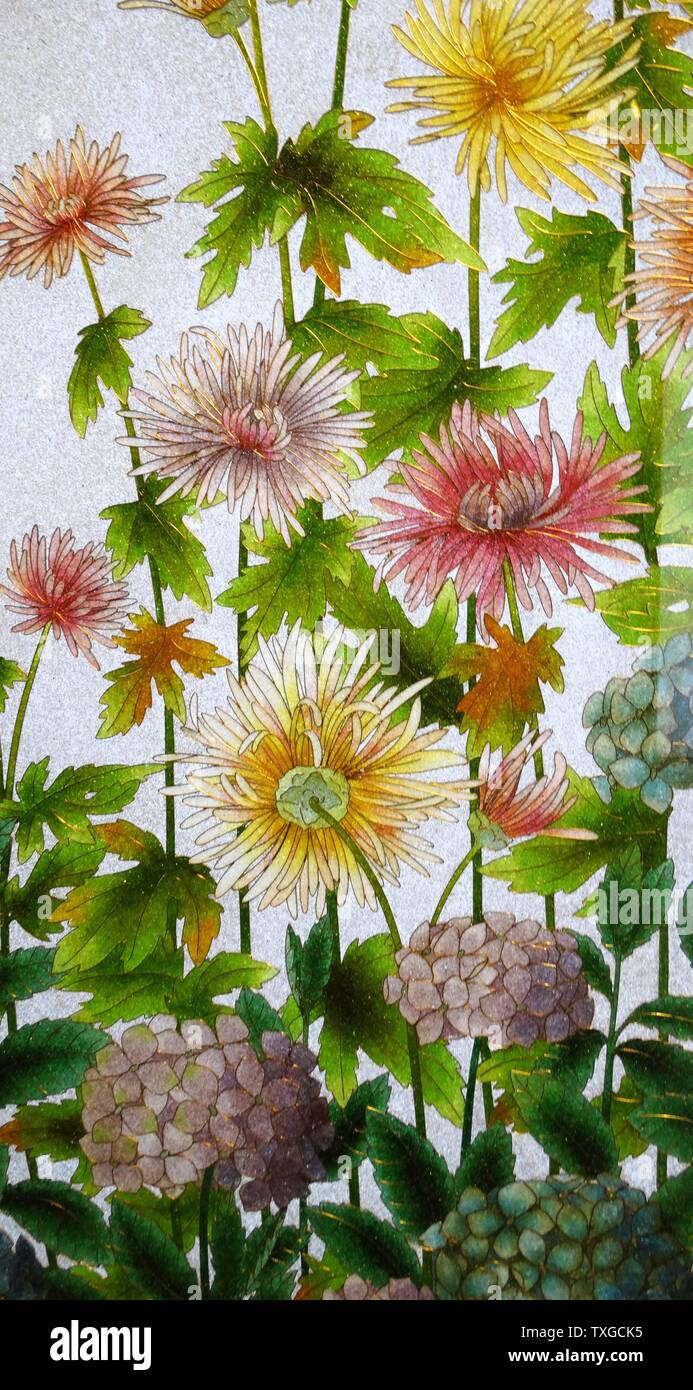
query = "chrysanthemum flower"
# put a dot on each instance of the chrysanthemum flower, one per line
(526, 74)
(246, 414)
(506, 811)
(66, 203)
(664, 284)
(191, 9)
(296, 732)
(72, 589)
(486, 493)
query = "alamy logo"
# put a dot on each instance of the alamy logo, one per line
(75, 1343)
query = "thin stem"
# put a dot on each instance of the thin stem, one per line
(287, 284)
(453, 881)
(662, 989)
(205, 1192)
(341, 62)
(262, 88)
(354, 1188)
(607, 1096)
(11, 1009)
(477, 877)
(412, 1039)
(474, 282)
(468, 1122)
(261, 91)
(176, 1225)
(333, 919)
(101, 312)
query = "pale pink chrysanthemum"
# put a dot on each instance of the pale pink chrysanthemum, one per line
(506, 811)
(71, 589)
(65, 203)
(663, 284)
(486, 493)
(246, 414)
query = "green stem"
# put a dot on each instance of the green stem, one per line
(243, 904)
(354, 1188)
(176, 1226)
(662, 989)
(412, 1039)
(9, 793)
(474, 282)
(477, 877)
(341, 62)
(333, 919)
(262, 88)
(607, 1096)
(159, 614)
(261, 92)
(453, 881)
(205, 1193)
(468, 1123)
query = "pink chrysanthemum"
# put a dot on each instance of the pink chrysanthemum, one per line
(65, 203)
(486, 493)
(663, 284)
(246, 414)
(506, 811)
(71, 589)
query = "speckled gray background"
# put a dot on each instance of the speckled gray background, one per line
(167, 87)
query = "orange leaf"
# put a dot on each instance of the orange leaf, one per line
(507, 693)
(156, 648)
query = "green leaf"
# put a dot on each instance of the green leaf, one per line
(292, 581)
(45, 1058)
(10, 674)
(149, 529)
(632, 904)
(278, 1279)
(24, 973)
(580, 257)
(650, 609)
(52, 1129)
(594, 966)
(259, 1017)
(357, 1017)
(260, 1244)
(658, 83)
(226, 20)
(368, 1247)
(308, 966)
(65, 865)
(158, 1209)
(59, 1216)
(227, 1243)
(417, 397)
(488, 1162)
(657, 429)
(416, 653)
(195, 996)
(154, 1263)
(568, 1128)
(667, 1122)
(671, 1013)
(657, 1066)
(364, 334)
(675, 1198)
(67, 805)
(117, 995)
(128, 910)
(571, 1063)
(546, 865)
(4, 1167)
(629, 1144)
(350, 1125)
(413, 1180)
(340, 189)
(101, 358)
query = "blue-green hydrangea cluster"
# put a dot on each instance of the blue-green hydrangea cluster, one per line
(641, 727)
(563, 1238)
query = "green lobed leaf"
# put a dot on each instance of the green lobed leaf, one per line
(65, 865)
(102, 361)
(10, 674)
(68, 804)
(149, 529)
(675, 1198)
(367, 1246)
(649, 610)
(413, 1180)
(151, 1259)
(45, 1058)
(292, 580)
(658, 84)
(579, 257)
(51, 1129)
(59, 1216)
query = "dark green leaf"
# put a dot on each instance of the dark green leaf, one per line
(47, 1129)
(413, 1179)
(59, 1216)
(368, 1247)
(259, 1017)
(350, 1125)
(667, 1122)
(488, 1163)
(566, 1126)
(154, 1263)
(228, 1242)
(24, 973)
(675, 1197)
(46, 1058)
(657, 108)
(594, 966)
(671, 1013)
(657, 1066)
(65, 865)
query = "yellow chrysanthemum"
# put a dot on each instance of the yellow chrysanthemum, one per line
(526, 74)
(299, 733)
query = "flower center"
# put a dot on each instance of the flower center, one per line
(504, 506)
(259, 430)
(303, 785)
(58, 210)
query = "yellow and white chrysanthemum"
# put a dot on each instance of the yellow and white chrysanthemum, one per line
(528, 74)
(300, 732)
